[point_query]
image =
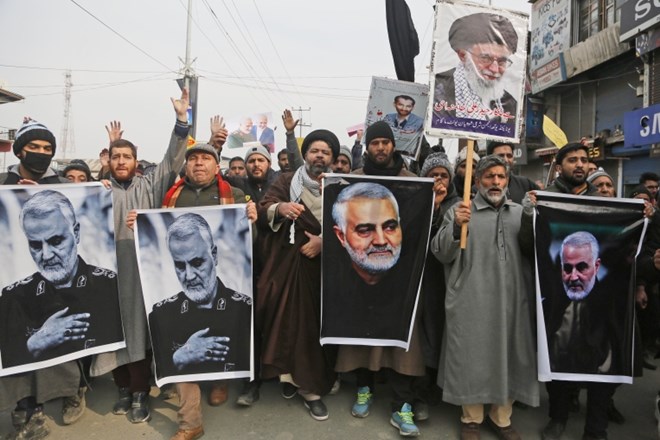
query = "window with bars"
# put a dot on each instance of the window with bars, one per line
(596, 15)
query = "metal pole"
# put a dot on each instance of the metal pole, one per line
(186, 71)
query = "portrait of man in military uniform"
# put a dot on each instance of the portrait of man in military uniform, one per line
(67, 305)
(206, 327)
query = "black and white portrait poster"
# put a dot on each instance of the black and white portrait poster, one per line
(196, 272)
(58, 265)
(375, 238)
(585, 283)
(402, 105)
(477, 71)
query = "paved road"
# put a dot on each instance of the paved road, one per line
(275, 418)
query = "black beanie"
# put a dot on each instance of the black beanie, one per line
(380, 129)
(32, 130)
(321, 135)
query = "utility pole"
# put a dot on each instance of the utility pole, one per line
(301, 122)
(66, 136)
(189, 79)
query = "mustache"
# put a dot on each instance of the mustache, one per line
(373, 249)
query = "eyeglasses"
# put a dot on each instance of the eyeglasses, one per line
(486, 60)
(581, 267)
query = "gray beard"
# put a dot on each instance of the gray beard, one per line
(375, 266)
(487, 90)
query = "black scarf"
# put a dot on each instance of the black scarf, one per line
(372, 169)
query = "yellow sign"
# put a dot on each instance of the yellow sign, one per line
(553, 132)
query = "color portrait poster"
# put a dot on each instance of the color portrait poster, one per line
(196, 273)
(59, 299)
(585, 284)
(258, 127)
(375, 238)
(402, 105)
(478, 69)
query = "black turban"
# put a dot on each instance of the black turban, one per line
(482, 28)
(321, 135)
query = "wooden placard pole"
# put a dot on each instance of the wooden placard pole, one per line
(467, 190)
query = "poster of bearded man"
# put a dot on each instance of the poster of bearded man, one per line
(375, 238)
(477, 72)
(585, 282)
(59, 299)
(196, 274)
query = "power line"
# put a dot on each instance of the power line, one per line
(62, 69)
(120, 35)
(277, 53)
(104, 86)
(222, 57)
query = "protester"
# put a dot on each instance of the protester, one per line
(343, 162)
(603, 183)
(237, 167)
(401, 366)
(650, 181)
(131, 366)
(486, 291)
(35, 147)
(283, 161)
(459, 171)
(104, 158)
(288, 299)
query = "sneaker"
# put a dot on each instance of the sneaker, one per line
(553, 430)
(249, 395)
(123, 404)
(317, 409)
(403, 420)
(139, 411)
(34, 429)
(289, 390)
(362, 403)
(74, 406)
(421, 411)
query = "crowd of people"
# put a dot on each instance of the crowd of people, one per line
(472, 338)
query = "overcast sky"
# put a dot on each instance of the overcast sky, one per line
(256, 56)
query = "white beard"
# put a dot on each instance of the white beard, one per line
(487, 90)
(374, 265)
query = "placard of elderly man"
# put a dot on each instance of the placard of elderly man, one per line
(68, 308)
(203, 332)
(376, 232)
(478, 71)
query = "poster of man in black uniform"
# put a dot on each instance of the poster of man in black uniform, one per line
(68, 308)
(203, 331)
(375, 233)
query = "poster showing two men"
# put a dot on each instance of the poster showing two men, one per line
(59, 299)
(249, 128)
(375, 237)
(585, 255)
(477, 72)
(196, 273)
(403, 106)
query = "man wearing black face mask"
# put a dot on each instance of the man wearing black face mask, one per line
(35, 147)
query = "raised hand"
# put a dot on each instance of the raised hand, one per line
(288, 121)
(114, 132)
(181, 105)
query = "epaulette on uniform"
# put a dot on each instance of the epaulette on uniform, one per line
(22, 282)
(102, 272)
(241, 297)
(167, 301)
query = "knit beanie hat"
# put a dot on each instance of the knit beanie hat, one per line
(203, 148)
(32, 130)
(462, 157)
(80, 165)
(599, 173)
(344, 150)
(321, 135)
(437, 160)
(257, 149)
(380, 129)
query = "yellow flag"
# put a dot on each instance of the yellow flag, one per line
(191, 141)
(300, 141)
(553, 132)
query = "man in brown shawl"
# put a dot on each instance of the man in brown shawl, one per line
(289, 290)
